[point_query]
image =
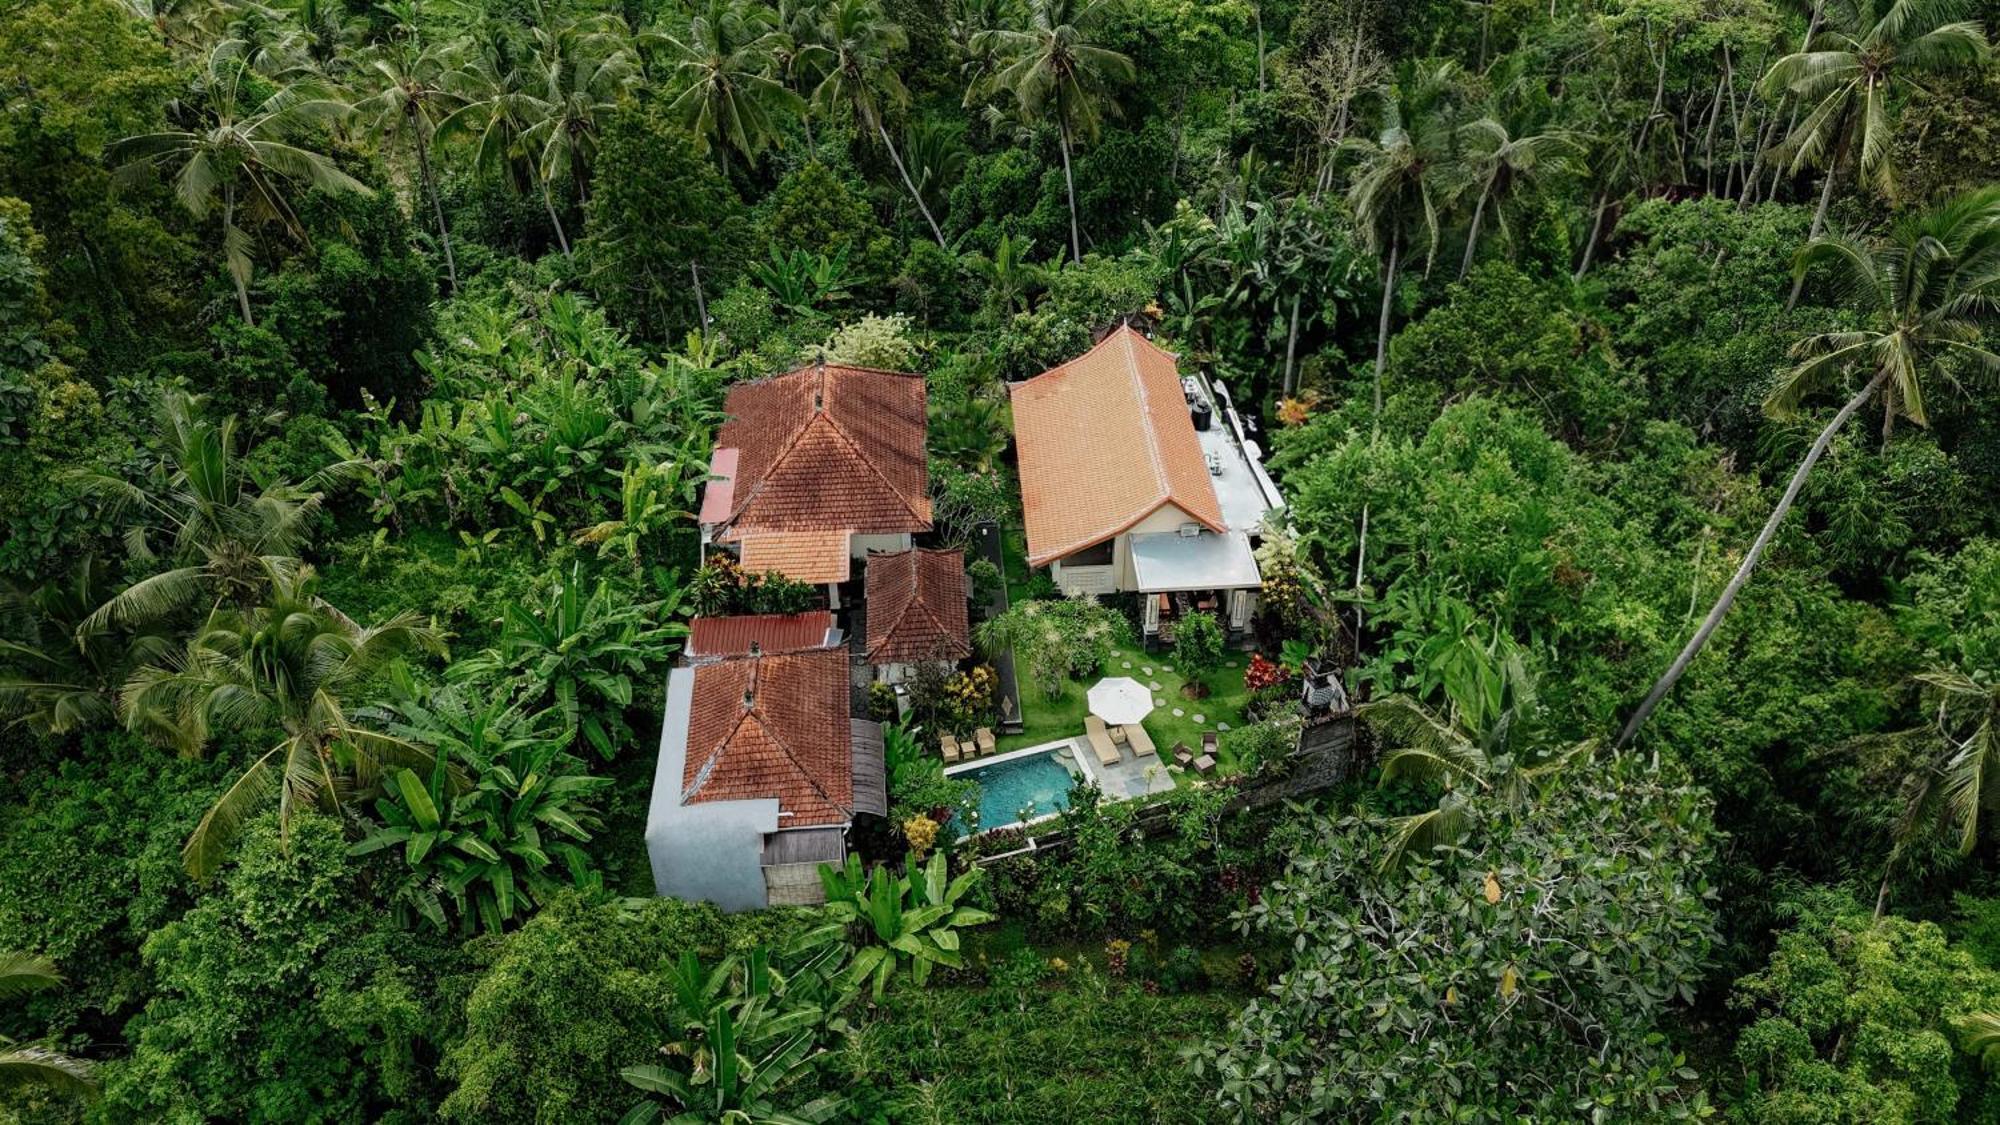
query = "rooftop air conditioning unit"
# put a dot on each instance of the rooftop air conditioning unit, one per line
(1190, 530)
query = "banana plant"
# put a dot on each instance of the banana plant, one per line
(493, 847)
(582, 654)
(746, 1035)
(651, 499)
(909, 921)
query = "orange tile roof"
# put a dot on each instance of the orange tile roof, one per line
(803, 556)
(774, 727)
(1105, 441)
(828, 446)
(916, 607)
(770, 632)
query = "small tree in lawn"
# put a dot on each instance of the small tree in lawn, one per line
(1197, 650)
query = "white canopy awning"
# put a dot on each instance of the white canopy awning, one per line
(1167, 561)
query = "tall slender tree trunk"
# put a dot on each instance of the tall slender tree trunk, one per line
(1825, 201)
(1596, 231)
(1742, 575)
(1292, 342)
(1472, 234)
(549, 203)
(1257, 11)
(882, 131)
(1382, 319)
(236, 276)
(700, 301)
(1069, 181)
(418, 142)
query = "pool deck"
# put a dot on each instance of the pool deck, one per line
(1130, 778)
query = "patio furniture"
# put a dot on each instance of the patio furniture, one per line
(1208, 742)
(1118, 734)
(1100, 740)
(948, 746)
(1183, 756)
(1118, 700)
(1140, 742)
(984, 736)
(1204, 765)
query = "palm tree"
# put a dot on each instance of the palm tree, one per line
(1402, 177)
(248, 159)
(1502, 163)
(1867, 55)
(858, 40)
(1009, 276)
(1485, 744)
(21, 1066)
(580, 73)
(725, 65)
(226, 536)
(1922, 294)
(65, 671)
(1961, 779)
(285, 665)
(1052, 69)
(404, 91)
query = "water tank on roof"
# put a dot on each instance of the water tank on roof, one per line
(1202, 415)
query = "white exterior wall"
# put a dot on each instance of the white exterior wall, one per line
(859, 545)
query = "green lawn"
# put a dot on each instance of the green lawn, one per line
(1047, 720)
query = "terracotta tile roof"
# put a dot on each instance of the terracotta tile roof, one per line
(774, 727)
(826, 447)
(770, 632)
(1105, 441)
(803, 556)
(916, 607)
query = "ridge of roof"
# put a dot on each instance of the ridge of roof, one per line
(821, 420)
(885, 632)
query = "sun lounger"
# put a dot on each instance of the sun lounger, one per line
(1140, 742)
(948, 746)
(1100, 740)
(984, 736)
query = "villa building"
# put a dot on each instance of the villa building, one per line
(762, 771)
(1137, 478)
(817, 467)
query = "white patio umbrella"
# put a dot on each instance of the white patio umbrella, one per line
(1120, 700)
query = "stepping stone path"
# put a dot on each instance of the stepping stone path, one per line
(1155, 685)
(1145, 670)
(1201, 718)
(1128, 664)
(1222, 726)
(1178, 712)
(1158, 702)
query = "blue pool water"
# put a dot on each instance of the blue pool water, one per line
(1007, 788)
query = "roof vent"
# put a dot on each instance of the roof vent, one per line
(749, 698)
(756, 649)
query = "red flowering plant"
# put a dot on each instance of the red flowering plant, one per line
(1262, 674)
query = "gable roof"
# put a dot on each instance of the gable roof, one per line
(825, 447)
(1104, 441)
(916, 607)
(773, 727)
(770, 632)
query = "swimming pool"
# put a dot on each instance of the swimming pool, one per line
(1023, 786)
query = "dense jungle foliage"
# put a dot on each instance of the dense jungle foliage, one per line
(1629, 369)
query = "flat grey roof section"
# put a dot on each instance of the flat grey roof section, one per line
(708, 851)
(806, 845)
(1166, 561)
(871, 783)
(1242, 487)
